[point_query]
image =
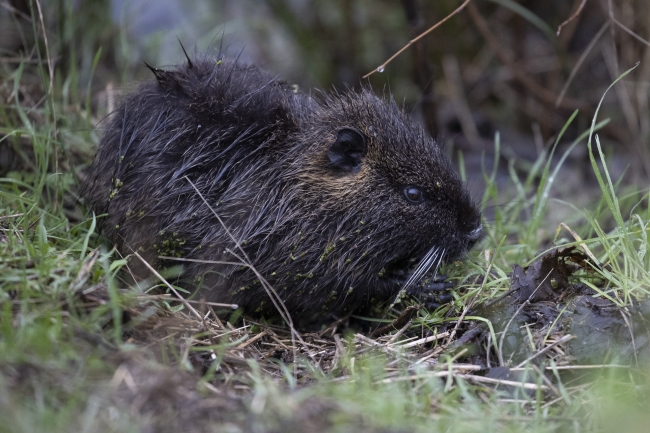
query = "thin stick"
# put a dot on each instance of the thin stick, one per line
(164, 296)
(508, 59)
(546, 349)
(424, 340)
(582, 244)
(16, 215)
(627, 30)
(572, 17)
(273, 295)
(582, 58)
(153, 271)
(381, 67)
(50, 67)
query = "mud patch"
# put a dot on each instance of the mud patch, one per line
(549, 314)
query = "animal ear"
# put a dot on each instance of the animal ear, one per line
(347, 152)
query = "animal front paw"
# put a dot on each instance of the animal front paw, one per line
(432, 292)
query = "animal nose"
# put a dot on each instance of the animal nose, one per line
(475, 234)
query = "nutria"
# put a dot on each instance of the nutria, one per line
(332, 198)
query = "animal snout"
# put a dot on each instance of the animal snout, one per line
(475, 234)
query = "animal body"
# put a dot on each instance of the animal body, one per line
(332, 198)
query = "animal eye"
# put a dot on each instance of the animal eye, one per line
(413, 194)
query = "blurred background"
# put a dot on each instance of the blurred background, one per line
(497, 66)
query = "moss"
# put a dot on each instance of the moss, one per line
(332, 296)
(306, 276)
(328, 250)
(170, 246)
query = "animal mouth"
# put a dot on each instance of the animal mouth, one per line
(410, 269)
(399, 268)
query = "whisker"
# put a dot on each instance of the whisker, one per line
(425, 264)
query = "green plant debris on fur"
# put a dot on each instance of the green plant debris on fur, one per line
(170, 245)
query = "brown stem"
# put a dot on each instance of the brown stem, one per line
(507, 58)
(412, 41)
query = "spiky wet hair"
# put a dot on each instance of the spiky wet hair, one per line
(330, 197)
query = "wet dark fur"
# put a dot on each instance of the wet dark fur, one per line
(326, 234)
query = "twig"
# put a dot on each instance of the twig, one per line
(424, 340)
(13, 10)
(507, 58)
(456, 95)
(576, 367)
(252, 340)
(153, 271)
(50, 91)
(627, 30)
(273, 295)
(211, 262)
(546, 349)
(82, 275)
(484, 379)
(579, 63)
(469, 377)
(381, 67)
(404, 318)
(583, 245)
(16, 215)
(572, 17)
(399, 333)
(146, 296)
